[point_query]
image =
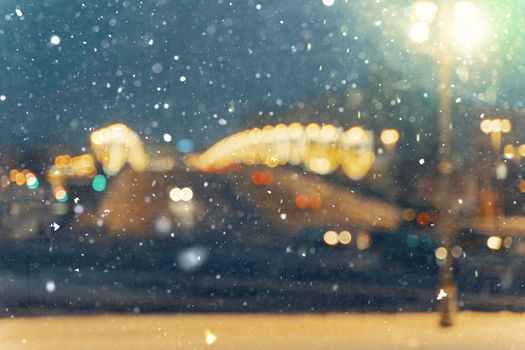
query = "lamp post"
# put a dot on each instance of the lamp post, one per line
(459, 24)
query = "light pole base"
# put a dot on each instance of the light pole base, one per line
(449, 306)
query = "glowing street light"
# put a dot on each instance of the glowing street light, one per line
(458, 26)
(424, 11)
(419, 32)
(467, 22)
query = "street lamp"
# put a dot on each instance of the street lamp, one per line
(460, 25)
(466, 25)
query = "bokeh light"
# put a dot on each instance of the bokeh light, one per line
(419, 32)
(494, 242)
(184, 194)
(99, 183)
(424, 11)
(389, 136)
(331, 238)
(345, 237)
(185, 146)
(470, 24)
(363, 240)
(441, 253)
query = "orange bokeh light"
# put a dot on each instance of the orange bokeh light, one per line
(301, 201)
(522, 186)
(423, 218)
(315, 201)
(261, 178)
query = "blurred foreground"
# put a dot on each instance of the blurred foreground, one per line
(474, 330)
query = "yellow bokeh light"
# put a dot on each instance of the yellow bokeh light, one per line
(321, 149)
(409, 214)
(330, 238)
(509, 151)
(354, 135)
(389, 136)
(507, 242)
(115, 145)
(295, 130)
(328, 133)
(344, 237)
(175, 194)
(20, 179)
(12, 175)
(497, 125)
(506, 126)
(272, 161)
(312, 130)
(486, 126)
(186, 194)
(320, 166)
(494, 242)
(521, 150)
(441, 253)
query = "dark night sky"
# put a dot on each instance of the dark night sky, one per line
(121, 61)
(191, 68)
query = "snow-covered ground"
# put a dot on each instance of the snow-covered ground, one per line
(473, 330)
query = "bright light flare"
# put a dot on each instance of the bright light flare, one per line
(209, 337)
(424, 11)
(419, 32)
(470, 24)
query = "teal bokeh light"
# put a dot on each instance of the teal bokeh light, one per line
(99, 183)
